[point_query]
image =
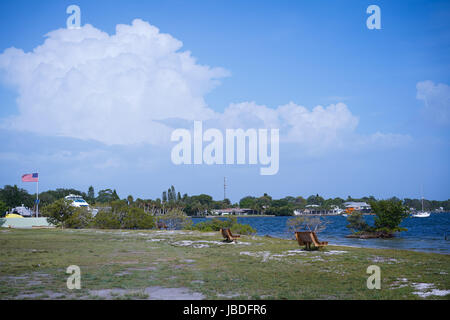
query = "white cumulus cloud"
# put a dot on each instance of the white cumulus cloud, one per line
(86, 84)
(320, 126)
(128, 87)
(315, 130)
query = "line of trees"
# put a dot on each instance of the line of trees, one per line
(12, 196)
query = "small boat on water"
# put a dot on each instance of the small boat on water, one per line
(421, 214)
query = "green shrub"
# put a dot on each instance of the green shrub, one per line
(121, 216)
(286, 210)
(119, 206)
(389, 215)
(216, 224)
(357, 223)
(81, 218)
(58, 212)
(240, 228)
(176, 219)
(137, 218)
(107, 220)
(3, 209)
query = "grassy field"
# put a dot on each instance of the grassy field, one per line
(193, 265)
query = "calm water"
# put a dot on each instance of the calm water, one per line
(424, 234)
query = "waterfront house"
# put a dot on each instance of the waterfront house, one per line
(233, 211)
(359, 206)
(316, 209)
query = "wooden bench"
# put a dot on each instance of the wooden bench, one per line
(228, 236)
(161, 225)
(306, 238)
(299, 240)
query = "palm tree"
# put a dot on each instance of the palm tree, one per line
(130, 200)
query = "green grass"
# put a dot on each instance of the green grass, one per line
(33, 265)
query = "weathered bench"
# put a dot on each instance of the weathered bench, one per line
(299, 240)
(228, 236)
(160, 225)
(306, 238)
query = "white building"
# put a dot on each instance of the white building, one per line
(233, 211)
(360, 206)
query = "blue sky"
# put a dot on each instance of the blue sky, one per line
(394, 82)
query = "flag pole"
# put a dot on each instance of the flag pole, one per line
(37, 198)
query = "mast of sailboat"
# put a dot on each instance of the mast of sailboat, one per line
(421, 191)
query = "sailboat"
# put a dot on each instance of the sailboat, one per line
(421, 214)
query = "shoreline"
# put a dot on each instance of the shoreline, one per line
(269, 215)
(361, 247)
(237, 216)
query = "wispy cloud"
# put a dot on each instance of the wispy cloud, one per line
(436, 98)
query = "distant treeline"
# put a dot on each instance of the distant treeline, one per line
(12, 196)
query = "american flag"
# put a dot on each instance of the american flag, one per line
(30, 177)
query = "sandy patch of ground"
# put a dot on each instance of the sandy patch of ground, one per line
(229, 295)
(378, 259)
(14, 278)
(151, 293)
(124, 262)
(423, 290)
(47, 294)
(142, 269)
(332, 252)
(189, 260)
(267, 255)
(32, 279)
(400, 283)
(204, 243)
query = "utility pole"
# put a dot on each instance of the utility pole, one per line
(224, 188)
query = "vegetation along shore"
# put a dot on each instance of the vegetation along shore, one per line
(203, 204)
